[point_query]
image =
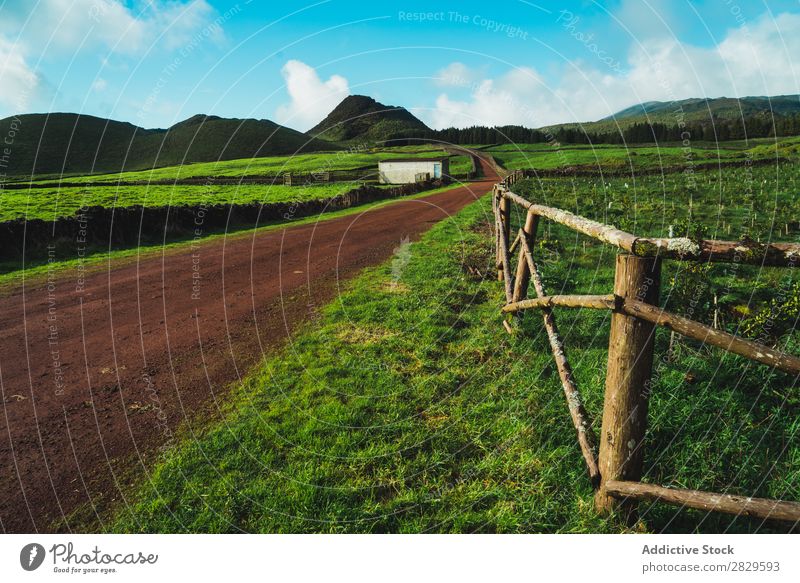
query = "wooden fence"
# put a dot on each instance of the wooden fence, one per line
(615, 461)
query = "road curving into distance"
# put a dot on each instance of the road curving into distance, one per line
(95, 375)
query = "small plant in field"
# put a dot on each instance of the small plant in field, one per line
(689, 292)
(549, 250)
(775, 320)
(690, 228)
(402, 255)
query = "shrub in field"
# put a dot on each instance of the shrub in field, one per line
(779, 317)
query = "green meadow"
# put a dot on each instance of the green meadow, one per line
(48, 202)
(51, 203)
(274, 165)
(408, 408)
(634, 158)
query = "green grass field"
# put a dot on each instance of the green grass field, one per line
(35, 267)
(606, 157)
(49, 204)
(271, 166)
(758, 201)
(408, 408)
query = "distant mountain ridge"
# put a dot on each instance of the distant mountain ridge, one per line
(82, 144)
(72, 143)
(699, 109)
(761, 115)
(359, 117)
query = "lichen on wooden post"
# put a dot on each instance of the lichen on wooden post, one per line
(523, 274)
(630, 363)
(504, 207)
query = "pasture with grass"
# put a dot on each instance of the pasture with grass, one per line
(50, 204)
(540, 278)
(213, 184)
(272, 166)
(641, 157)
(407, 407)
(46, 199)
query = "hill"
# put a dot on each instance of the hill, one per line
(71, 143)
(702, 109)
(760, 110)
(361, 117)
(712, 120)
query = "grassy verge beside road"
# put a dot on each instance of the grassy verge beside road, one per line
(406, 407)
(36, 267)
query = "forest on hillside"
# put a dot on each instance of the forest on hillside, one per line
(717, 129)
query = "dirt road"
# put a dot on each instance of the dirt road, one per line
(95, 374)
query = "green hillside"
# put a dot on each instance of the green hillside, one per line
(701, 109)
(82, 144)
(695, 110)
(362, 118)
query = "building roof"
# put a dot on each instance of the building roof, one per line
(440, 159)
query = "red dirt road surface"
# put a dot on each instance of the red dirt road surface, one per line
(94, 378)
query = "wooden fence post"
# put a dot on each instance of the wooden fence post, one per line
(630, 364)
(523, 274)
(505, 231)
(496, 210)
(505, 214)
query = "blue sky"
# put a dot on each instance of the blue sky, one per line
(156, 62)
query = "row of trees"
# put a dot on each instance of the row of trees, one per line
(717, 129)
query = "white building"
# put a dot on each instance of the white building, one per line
(407, 170)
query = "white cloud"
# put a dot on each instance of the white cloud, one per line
(182, 23)
(312, 98)
(751, 60)
(520, 96)
(506, 100)
(762, 56)
(58, 29)
(99, 85)
(18, 81)
(650, 19)
(84, 24)
(455, 74)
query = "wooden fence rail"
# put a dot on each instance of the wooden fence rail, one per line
(615, 468)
